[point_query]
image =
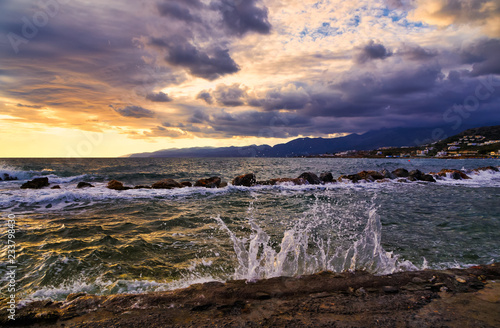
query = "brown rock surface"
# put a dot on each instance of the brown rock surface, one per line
(213, 182)
(246, 180)
(407, 299)
(166, 184)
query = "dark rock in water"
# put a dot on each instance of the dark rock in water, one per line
(186, 183)
(327, 177)
(273, 182)
(370, 175)
(213, 182)
(37, 183)
(455, 174)
(487, 168)
(223, 184)
(116, 185)
(417, 175)
(388, 175)
(401, 173)
(310, 177)
(7, 177)
(84, 185)
(142, 187)
(48, 206)
(167, 184)
(428, 178)
(246, 180)
(351, 177)
(56, 187)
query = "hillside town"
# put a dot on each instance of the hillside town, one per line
(468, 144)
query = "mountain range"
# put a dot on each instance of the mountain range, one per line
(387, 137)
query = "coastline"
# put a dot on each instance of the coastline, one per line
(453, 298)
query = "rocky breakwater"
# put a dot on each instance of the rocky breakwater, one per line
(212, 182)
(449, 298)
(306, 178)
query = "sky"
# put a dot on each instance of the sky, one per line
(109, 78)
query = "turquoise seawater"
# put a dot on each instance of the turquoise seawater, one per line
(104, 241)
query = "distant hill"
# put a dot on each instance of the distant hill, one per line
(489, 132)
(395, 137)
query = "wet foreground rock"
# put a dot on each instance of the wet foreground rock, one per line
(246, 180)
(449, 298)
(213, 182)
(117, 185)
(167, 184)
(37, 183)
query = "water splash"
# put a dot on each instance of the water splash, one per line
(325, 238)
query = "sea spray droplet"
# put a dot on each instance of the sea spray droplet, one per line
(326, 237)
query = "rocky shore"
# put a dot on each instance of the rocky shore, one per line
(306, 178)
(449, 298)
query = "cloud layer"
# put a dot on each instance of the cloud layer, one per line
(233, 69)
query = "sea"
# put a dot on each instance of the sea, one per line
(101, 241)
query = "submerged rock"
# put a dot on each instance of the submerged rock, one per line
(56, 187)
(327, 177)
(186, 183)
(7, 177)
(167, 184)
(37, 183)
(401, 173)
(246, 180)
(487, 168)
(213, 182)
(84, 185)
(310, 177)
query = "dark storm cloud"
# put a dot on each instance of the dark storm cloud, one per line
(199, 36)
(135, 112)
(230, 95)
(206, 96)
(209, 64)
(288, 99)
(484, 55)
(262, 124)
(199, 116)
(179, 10)
(243, 16)
(372, 51)
(394, 94)
(158, 97)
(416, 52)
